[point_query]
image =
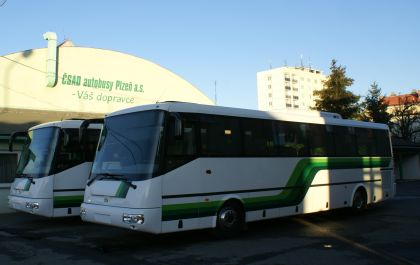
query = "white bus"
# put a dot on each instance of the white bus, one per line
(54, 166)
(180, 166)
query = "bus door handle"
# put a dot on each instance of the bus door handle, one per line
(208, 172)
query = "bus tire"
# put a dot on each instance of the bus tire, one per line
(359, 200)
(230, 219)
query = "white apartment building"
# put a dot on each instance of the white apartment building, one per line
(288, 88)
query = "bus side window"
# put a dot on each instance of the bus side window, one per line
(69, 152)
(181, 146)
(220, 136)
(317, 140)
(344, 141)
(89, 147)
(292, 139)
(329, 140)
(366, 145)
(258, 136)
(382, 143)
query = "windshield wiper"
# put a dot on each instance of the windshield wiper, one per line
(22, 175)
(112, 176)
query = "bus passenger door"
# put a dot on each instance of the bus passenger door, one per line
(182, 180)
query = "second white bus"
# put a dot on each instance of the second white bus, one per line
(54, 166)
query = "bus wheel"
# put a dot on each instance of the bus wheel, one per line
(359, 200)
(230, 220)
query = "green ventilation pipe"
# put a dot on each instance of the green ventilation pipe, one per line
(51, 37)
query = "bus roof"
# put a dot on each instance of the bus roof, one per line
(300, 116)
(71, 124)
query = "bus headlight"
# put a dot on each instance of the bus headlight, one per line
(32, 205)
(133, 218)
(83, 211)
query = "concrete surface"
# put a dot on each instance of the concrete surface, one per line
(388, 233)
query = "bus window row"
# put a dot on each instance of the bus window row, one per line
(223, 136)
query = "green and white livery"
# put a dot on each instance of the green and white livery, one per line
(180, 166)
(54, 166)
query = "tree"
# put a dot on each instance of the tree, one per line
(405, 120)
(374, 108)
(334, 97)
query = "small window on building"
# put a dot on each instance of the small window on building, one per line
(269, 78)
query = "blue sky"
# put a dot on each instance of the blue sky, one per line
(229, 41)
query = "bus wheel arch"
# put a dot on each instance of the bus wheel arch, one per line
(230, 218)
(359, 199)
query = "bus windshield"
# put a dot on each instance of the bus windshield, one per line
(37, 155)
(128, 146)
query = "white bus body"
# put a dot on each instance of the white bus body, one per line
(179, 166)
(53, 168)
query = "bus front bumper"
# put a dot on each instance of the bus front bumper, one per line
(139, 219)
(31, 205)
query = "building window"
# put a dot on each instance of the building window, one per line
(269, 95)
(269, 86)
(288, 96)
(288, 105)
(295, 97)
(8, 165)
(269, 78)
(270, 104)
(296, 106)
(288, 87)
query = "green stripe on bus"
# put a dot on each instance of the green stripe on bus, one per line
(27, 185)
(68, 201)
(292, 194)
(122, 190)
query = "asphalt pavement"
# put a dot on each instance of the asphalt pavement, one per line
(388, 233)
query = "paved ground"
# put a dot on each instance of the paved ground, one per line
(386, 234)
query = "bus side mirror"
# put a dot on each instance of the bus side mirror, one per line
(176, 126)
(85, 124)
(13, 138)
